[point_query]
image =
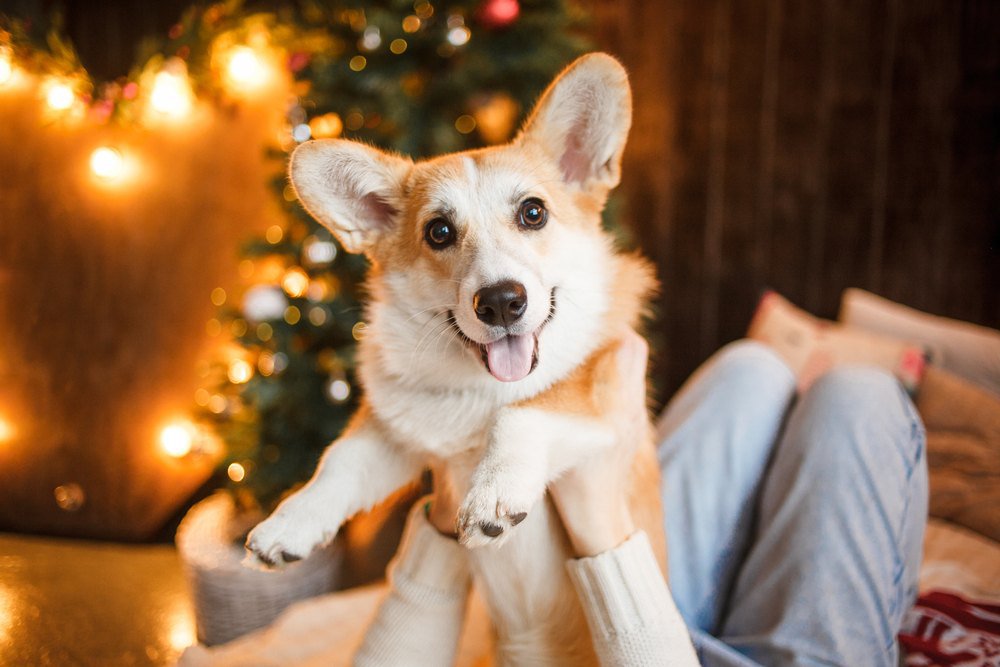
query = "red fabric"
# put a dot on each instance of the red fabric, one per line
(944, 629)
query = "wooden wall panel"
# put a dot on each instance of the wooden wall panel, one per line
(809, 147)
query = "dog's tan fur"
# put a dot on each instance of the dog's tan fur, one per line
(500, 442)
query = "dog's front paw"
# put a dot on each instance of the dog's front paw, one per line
(284, 538)
(490, 512)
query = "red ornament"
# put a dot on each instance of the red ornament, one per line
(496, 14)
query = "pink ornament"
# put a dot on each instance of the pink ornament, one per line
(495, 14)
(297, 61)
(102, 110)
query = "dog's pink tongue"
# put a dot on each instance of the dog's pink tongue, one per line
(509, 358)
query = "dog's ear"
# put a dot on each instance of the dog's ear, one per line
(582, 121)
(352, 189)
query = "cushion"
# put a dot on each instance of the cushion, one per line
(811, 346)
(960, 561)
(968, 350)
(963, 450)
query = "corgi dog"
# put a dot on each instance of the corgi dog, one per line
(496, 304)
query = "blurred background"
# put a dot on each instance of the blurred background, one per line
(170, 322)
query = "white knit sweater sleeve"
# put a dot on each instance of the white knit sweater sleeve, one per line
(420, 619)
(632, 617)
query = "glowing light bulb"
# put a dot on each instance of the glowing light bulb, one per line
(245, 68)
(6, 65)
(240, 371)
(181, 632)
(171, 94)
(177, 440)
(6, 430)
(459, 35)
(107, 163)
(59, 96)
(295, 282)
(236, 472)
(327, 125)
(338, 390)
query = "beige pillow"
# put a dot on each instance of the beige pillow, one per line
(963, 450)
(968, 350)
(811, 346)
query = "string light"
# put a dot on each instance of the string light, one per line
(172, 94)
(177, 439)
(107, 163)
(201, 396)
(245, 68)
(338, 390)
(182, 633)
(411, 23)
(240, 371)
(274, 234)
(265, 363)
(59, 95)
(218, 296)
(318, 252)
(459, 35)
(6, 65)
(6, 430)
(423, 9)
(69, 497)
(465, 124)
(371, 39)
(217, 404)
(236, 472)
(295, 282)
(317, 316)
(327, 125)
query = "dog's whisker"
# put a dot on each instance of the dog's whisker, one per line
(420, 352)
(443, 308)
(416, 354)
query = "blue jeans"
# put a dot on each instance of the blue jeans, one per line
(795, 525)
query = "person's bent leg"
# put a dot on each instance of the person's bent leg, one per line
(715, 439)
(833, 566)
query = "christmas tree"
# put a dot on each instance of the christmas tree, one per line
(417, 77)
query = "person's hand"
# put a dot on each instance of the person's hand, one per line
(443, 509)
(592, 498)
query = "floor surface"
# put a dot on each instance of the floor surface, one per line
(69, 603)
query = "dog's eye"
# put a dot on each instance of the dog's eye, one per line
(439, 233)
(532, 214)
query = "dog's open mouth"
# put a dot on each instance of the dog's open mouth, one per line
(511, 357)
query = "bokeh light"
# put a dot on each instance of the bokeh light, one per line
(172, 95)
(240, 371)
(245, 69)
(177, 439)
(236, 472)
(6, 65)
(107, 163)
(59, 95)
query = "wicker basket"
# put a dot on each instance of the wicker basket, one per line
(230, 599)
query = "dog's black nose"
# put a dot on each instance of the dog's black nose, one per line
(501, 304)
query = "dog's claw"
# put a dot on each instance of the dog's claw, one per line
(488, 515)
(285, 537)
(491, 529)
